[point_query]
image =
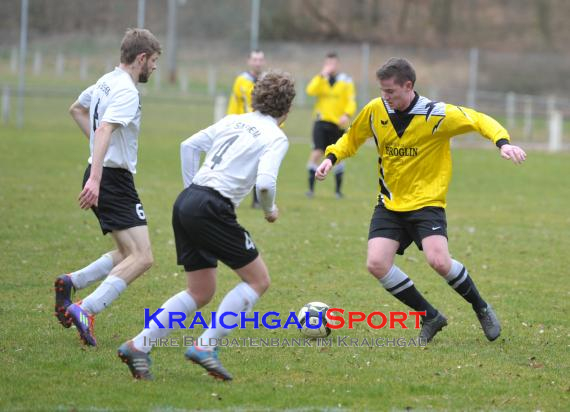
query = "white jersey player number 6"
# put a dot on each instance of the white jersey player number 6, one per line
(140, 211)
(248, 242)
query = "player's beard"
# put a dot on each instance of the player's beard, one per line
(144, 74)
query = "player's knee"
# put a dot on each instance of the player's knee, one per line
(202, 297)
(264, 284)
(116, 255)
(260, 284)
(439, 262)
(378, 267)
(146, 260)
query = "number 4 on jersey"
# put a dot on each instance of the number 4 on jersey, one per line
(96, 116)
(217, 158)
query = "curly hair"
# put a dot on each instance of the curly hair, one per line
(273, 93)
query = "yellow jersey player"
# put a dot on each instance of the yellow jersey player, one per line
(412, 136)
(240, 99)
(334, 108)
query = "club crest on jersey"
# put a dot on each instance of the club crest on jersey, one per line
(384, 123)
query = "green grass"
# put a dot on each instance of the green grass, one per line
(508, 224)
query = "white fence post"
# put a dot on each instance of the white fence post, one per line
(38, 62)
(212, 79)
(59, 64)
(83, 68)
(555, 131)
(183, 81)
(473, 72)
(220, 104)
(5, 104)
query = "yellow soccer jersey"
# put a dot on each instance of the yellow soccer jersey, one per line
(414, 156)
(332, 101)
(240, 100)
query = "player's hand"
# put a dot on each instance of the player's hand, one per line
(514, 153)
(272, 217)
(344, 121)
(323, 169)
(89, 196)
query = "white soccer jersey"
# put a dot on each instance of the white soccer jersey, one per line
(241, 151)
(115, 99)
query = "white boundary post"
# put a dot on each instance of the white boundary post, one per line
(220, 104)
(555, 131)
(38, 63)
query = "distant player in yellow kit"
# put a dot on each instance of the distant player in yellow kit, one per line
(240, 99)
(412, 136)
(334, 108)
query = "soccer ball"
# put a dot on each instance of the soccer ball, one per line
(316, 315)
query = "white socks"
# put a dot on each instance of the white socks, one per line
(457, 274)
(182, 302)
(104, 295)
(93, 272)
(396, 281)
(239, 299)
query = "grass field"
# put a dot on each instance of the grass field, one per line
(508, 224)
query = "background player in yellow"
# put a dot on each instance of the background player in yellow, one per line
(412, 136)
(334, 107)
(240, 99)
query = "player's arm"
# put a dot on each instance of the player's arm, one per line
(122, 110)
(461, 120)
(349, 143)
(317, 85)
(80, 114)
(190, 151)
(266, 182)
(89, 196)
(79, 111)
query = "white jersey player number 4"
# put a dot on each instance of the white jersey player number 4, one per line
(217, 158)
(242, 151)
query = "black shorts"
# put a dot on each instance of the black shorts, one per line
(206, 229)
(325, 134)
(406, 227)
(119, 206)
